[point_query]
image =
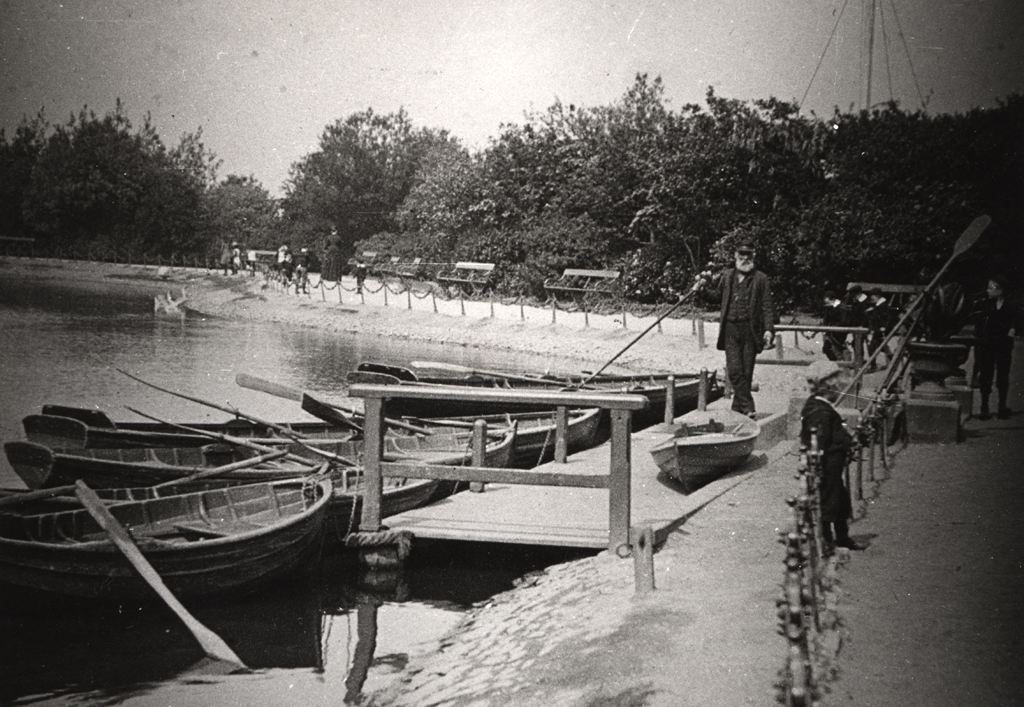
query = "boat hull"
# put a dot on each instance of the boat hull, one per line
(697, 459)
(191, 540)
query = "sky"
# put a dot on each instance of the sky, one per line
(263, 78)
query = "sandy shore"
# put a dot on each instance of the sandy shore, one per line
(574, 342)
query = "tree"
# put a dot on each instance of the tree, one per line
(17, 160)
(241, 210)
(356, 180)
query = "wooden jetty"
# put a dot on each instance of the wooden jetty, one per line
(599, 498)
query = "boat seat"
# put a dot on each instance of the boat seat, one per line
(223, 530)
(710, 428)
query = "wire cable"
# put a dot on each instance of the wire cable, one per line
(822, 56)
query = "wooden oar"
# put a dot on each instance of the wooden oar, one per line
(244, 442)
(454, 368)
(226, 468)
(316, 406)
(16, 497)
(968, 238)
(639, 336)
(212, 644)
(280, 429)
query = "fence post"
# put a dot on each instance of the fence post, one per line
(670, 399)
(479, 452)
(702, 390)
(433, 298)
(619, 492)
(780, 352)
(554, 308)
(373, 449)
(408, 295)
(492, 305)
(641, 541)
(701, 343)
(561, 434)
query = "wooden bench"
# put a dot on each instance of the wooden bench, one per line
(412, 270)
(467, 277)
(367, 259)
(899, 295)
(578, 283)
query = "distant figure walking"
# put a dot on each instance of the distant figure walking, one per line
(997, 323)
(302, 271)
(225, 259)
(332, 259)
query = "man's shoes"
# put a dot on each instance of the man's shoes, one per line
(983, 415)
(1004, 413)
(752, 415)
(849, 544)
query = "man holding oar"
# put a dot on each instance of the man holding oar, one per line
(746, 324)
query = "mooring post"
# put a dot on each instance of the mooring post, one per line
(561, 434)
(642, 542)
(373, 450)
(670, 399)
(619, 491)
(702, 390)
(701, 343)
(479, 452)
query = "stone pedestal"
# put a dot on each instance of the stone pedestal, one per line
(962, 392)
(933, 421)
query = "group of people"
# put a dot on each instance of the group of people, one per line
(871, 309)
(293, 269)
(231, 259)
(747, 326)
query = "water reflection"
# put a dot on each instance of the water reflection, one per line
(332, 635)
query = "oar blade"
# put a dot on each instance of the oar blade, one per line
(212, 644)
(265, 386)
(971, 234)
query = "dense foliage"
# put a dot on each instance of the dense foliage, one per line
(659, 194)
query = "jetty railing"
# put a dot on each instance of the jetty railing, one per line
(617, 480)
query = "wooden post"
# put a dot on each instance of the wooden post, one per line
(479, 451)
(858, 350)
(702, 390)
(561, 434)
(408, 297)
(670, 399)
(624, 325)
(554, 309)
(433, 297)
(642, 542)
(871, 461)
(780, 351)
(619, 491)
(701, 343)
(384, 283)
(462, 304)
(492, 305)
(373, 450)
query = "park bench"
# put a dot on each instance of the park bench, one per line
(899, 295)
(578, 283)
(411, 270)
(368, 259)
(467, 277)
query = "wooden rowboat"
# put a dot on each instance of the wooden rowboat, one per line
(535, 435)
(73, 427)
(42, 467)
(706, 445)
(685, 392)
(199, 543)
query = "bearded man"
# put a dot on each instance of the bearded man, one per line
(746, 323)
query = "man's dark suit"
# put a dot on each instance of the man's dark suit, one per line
(742, 342)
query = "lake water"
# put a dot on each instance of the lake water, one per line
(324, 638)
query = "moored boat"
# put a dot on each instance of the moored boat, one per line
(705, 446)
(685, 391)
(199, 543)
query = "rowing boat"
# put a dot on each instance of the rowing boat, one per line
(200, 543)
(42, 467)
(73, 427)
(536, 432)
(706, 445)
(685, 391)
